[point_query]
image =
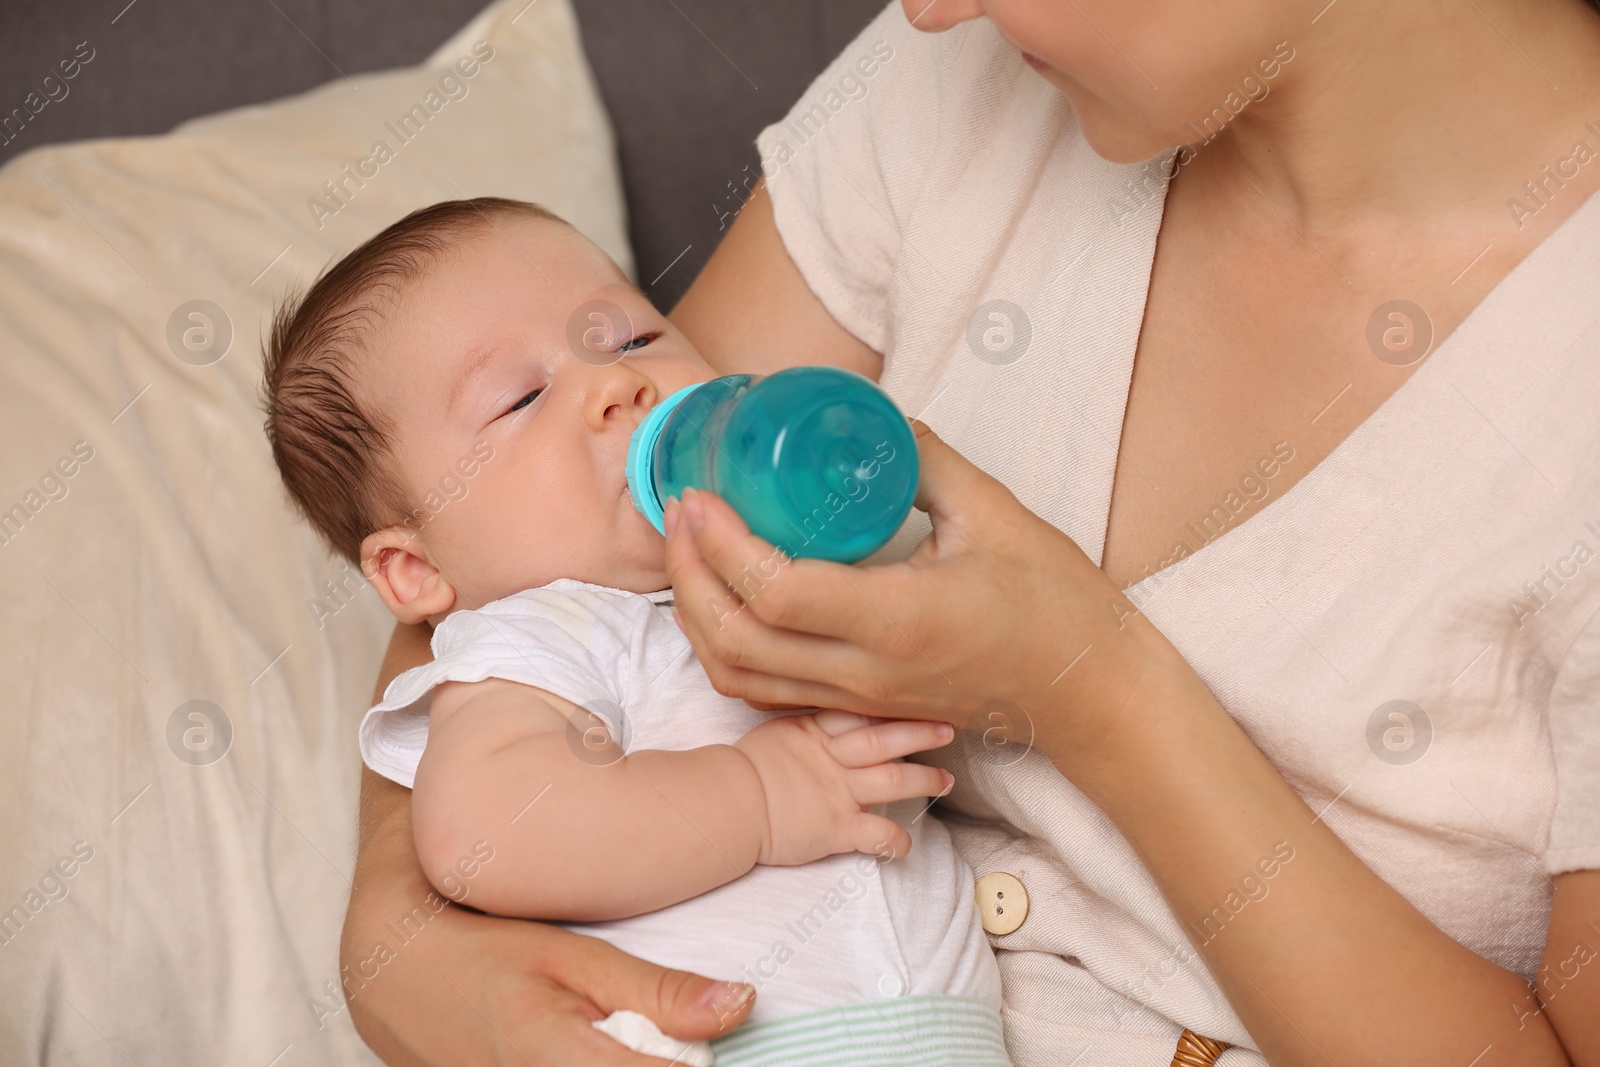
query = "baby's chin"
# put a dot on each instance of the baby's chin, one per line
(630, 554)
(641, 561)
(634, 559)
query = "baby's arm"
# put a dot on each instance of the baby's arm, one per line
(579, 836)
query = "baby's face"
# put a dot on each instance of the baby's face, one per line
(479, 374)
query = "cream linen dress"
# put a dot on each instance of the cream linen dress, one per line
(1407, 633)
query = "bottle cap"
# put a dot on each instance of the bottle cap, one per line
(640, 469)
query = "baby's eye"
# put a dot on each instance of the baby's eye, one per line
(524, 402)
(637, 342)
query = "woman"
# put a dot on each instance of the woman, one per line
(1310, 775)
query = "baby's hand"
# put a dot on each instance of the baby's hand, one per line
(820, 769)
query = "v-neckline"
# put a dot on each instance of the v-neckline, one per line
(1437, 362)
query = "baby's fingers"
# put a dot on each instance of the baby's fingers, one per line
(878, 835)
(888, 782)
(891, 739)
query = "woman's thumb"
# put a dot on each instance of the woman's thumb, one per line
(682, 1004)
(946, 478)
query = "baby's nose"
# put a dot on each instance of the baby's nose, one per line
(626, 397)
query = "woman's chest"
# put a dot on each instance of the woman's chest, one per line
(1257, 355)
(1387, 635)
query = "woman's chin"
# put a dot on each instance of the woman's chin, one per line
(1113, 138)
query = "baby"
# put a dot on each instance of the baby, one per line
(450, 405)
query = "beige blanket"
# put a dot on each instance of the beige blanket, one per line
(185, 665)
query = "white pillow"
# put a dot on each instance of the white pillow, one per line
(168, 899)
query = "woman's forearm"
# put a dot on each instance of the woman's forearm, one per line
(386, 859)
(385, 852)
(409, 646)
(386, 865)
(1330, 964)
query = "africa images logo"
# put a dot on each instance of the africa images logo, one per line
(452, 85)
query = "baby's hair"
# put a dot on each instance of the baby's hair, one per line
(334, 452)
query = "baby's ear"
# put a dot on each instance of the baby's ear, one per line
(397, 565)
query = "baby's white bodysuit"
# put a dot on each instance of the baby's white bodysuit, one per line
(841, 930)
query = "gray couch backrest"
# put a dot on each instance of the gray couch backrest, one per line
(688, 83)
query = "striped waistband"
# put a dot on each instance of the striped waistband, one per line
(919, 1031)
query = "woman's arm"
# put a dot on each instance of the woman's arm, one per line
(1569, 978)
(472, 989)
(1334, 966)
(750, 311)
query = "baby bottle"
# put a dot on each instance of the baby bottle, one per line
(817, 460)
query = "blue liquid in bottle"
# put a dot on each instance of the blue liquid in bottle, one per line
(816, 460)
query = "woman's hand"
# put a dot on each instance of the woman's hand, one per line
(995, 605)
(471, 989)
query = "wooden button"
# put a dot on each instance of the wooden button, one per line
(1002, 902)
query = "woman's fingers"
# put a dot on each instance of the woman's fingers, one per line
(762, 705)
(757, 688)
(880, 639)
(949, 485)
(684, 1005)
(492, 990)
(870, 744)
(727, 568)
(886, 783)
(698, 587)
(835, 722)
(730, 639)
(576, 1043)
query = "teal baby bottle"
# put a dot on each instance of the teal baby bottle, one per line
(816, 460)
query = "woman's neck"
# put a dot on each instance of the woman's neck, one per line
(1418, 115)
